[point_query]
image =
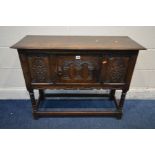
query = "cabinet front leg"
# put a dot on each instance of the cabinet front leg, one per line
(34, 103)
(121, 102)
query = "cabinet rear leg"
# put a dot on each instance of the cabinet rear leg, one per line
(41, 93)
(34, 103)
(119, 116)
(112, 94)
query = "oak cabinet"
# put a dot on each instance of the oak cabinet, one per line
(74, 62)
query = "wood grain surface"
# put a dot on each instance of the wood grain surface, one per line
(78, 42)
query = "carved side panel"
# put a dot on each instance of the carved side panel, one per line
(39, 67)
(116, 69)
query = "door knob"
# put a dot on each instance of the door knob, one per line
(104, 62)
(59, 71)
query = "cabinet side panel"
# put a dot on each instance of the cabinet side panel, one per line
(25, 68)
(132, 62)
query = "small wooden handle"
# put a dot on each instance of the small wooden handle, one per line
(104, 62)
(59, 71)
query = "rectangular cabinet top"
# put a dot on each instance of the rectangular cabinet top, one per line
(78, 43)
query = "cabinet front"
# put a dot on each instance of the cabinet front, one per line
(108, 69)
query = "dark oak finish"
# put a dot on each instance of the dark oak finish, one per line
(78, 62)
(78, 43)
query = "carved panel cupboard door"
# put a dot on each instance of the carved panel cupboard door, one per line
(78, 68)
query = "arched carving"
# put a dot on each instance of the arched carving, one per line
(72, 71)
(84, 71)
(81, 70)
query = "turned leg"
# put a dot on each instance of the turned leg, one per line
(112, 94)
(41, 93)
(121, 103)
(34, 103)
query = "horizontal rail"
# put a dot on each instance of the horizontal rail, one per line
(78, 113)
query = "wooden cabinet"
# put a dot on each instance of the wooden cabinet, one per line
(63, 62)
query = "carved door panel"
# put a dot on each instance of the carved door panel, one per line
(41, 69)
(78, 69)
(115, 69)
